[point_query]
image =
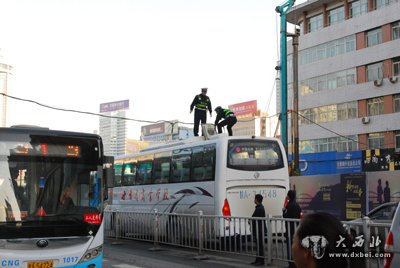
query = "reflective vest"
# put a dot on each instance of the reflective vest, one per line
(228, 113)
(202, 102)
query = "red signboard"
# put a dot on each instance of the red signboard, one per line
(244, 108)
(92, 218)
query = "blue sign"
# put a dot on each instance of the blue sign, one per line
(330, 163)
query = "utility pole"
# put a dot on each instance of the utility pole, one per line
(295, 115)
(282, 10)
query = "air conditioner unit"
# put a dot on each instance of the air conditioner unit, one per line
(208, 130)
(365, 120)
(393, 79)
(378, 82)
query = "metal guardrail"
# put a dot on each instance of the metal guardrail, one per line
(207, 233)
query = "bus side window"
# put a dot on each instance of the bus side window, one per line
(209, 162)
(161, 170)
(130, 174)
(118, 174)
(144, 173)
(198, 166)
(181, 162)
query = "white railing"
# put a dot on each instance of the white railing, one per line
(232, 234)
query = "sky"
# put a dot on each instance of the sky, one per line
(77, 54)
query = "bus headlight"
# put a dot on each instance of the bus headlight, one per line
(90, 254)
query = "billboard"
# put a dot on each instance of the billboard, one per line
(343, 196)
(383, 187)
(244, 108)
(114, 106)
(330, 163)
(381, 160)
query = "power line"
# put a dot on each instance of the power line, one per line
(329, 130)
(108, 116)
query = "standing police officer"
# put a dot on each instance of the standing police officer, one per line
(202, 103)
(229, 119)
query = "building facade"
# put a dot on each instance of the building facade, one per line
(113, 129)
(348, 74)
(5, 74)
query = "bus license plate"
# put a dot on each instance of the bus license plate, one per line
(40, 264)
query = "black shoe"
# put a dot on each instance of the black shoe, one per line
(259, 264)
(253, 263)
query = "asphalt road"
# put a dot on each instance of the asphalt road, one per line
(132, 254)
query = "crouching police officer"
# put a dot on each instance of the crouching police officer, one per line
(229, 119)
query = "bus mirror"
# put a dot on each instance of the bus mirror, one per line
(109, 177)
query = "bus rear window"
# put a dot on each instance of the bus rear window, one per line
(254, 155)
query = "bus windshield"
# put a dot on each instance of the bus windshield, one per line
(254, 155)
(49, 185)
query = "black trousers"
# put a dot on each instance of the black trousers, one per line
(199, 116)
(259, 239)
(228, 122)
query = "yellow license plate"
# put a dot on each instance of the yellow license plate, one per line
(40, 264)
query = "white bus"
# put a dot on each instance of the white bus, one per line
(218, 176)
(51, 198)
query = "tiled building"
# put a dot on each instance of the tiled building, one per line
(349, 74)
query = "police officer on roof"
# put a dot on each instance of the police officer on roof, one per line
(229, 119)
(202, 103)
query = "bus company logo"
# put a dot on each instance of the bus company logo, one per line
(92, 218)
(42, 243)
(256, 175)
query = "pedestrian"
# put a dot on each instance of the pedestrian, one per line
(258, 229)
(321, 241)
(229, 119)
(386, 192)
(379, 192)
(291, 211)
(201, 103)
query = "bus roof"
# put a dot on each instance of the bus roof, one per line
(194, 140)
(45, 131)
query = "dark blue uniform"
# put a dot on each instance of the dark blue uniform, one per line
(201, 103)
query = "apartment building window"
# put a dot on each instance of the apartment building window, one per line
(328, 81)
(397, 139)
(375, 106)
(396, 66)
(346, 110)
(396, 30)
(358, 8)
(315, 23)
(346, 144)
(374, 71)
(327, 50)
(329, 113)
(396, 100)
(374, 37)
(339, 144)
(381, 3)
(336, 15)
(375, 140)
